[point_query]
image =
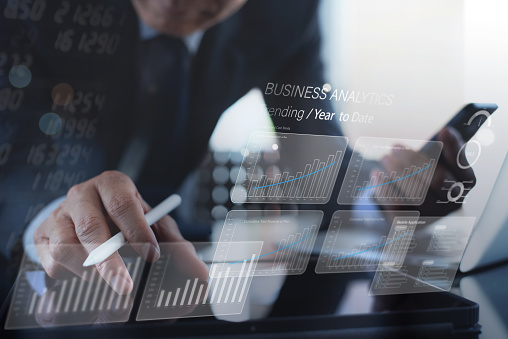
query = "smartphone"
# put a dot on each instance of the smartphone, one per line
(468, 120)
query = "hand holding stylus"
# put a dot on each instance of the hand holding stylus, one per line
(82, 223)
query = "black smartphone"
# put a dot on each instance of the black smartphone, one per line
(469, 119)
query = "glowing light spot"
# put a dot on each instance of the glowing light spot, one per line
(20, 76)
(486, 137)
(62, 94)
(50, 123)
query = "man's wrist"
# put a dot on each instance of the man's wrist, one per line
(28, 236)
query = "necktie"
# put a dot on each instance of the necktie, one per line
(161, 116)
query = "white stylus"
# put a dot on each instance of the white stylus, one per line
(116, 242)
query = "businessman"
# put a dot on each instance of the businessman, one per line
(157, 75)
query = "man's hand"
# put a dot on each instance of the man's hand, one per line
(447, 168)
(85, 217)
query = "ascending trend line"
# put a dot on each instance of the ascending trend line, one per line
(306, 175)
(370, 249)
(389, 182)
(264, 255)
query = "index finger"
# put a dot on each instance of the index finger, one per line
(123, 204)
(92, 230)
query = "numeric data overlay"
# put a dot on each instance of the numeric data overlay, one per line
(77, 300)
(403, 183)
(173, 292)
(288, 238)
(289, 168)
(432, 259)
(357, 241)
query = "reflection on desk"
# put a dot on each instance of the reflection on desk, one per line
(488, 289)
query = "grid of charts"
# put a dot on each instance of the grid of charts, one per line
(431, 262)
(405, 186)
(289, 168)
(358, 241)
(288, 238)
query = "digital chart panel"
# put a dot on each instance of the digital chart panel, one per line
(171, 293)
(289, 168)
(407, 185)
(73, 301)
(287, 236)
(358, 241)
(431, 261)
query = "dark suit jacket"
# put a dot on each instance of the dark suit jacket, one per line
(266, 41)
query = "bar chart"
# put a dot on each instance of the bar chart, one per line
(74, 301)
(355, 241)
(296, 168)
(170, 294)
(287, 236)
(405, 185)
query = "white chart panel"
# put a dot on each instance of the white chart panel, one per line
(72, 301)
(432, 259)
(170, 293)
(287, 236)
(407, 185)
(289, 168)
(357, 241)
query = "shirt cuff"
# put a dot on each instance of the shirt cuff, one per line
(28, 236)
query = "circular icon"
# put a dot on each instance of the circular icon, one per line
(454, 198)
(480, 114)
(473, 154)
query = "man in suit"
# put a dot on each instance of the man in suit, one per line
(217, 51)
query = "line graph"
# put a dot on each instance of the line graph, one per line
(303, 176)
(389, 182)
(356, 242)
(264, 255)
(401, 185)
(289, 168)
(288, 237)
(373, 248)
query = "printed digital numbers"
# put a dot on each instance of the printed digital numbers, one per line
(25, 9)
(86, 14)
(91, 43)
(15, 59)
(46, 154)
(10, 99)
(84, 102)
(57, 180)
(77, 129)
